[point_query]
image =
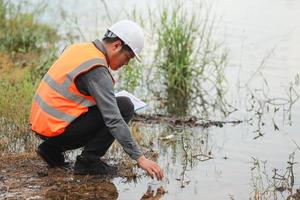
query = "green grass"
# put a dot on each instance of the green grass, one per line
(176, 35)
(189, 62)
(20, 31)
(15, 101)
(130, 76)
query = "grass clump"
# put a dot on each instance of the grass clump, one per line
(190, 63)
(176, 35)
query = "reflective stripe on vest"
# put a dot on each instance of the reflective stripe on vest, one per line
(52, 111)
(63, 90)
(58, 101)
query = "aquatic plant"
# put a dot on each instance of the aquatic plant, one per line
(281, 183)
(267, 109)
(188, 64)
(174, 51)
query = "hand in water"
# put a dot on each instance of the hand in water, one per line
(151, 167)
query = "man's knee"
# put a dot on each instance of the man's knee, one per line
(126, 107)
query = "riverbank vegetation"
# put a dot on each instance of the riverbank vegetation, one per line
(27, 48)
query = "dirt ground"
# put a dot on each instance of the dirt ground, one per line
(26, 176)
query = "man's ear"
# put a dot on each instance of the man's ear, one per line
(117, 45)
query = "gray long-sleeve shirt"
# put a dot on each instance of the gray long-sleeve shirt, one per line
(98, 84)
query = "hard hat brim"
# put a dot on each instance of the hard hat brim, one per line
(137, 57)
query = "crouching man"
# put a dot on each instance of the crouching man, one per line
(75, 106)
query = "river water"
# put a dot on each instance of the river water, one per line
(254, 32)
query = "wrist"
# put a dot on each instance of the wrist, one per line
(141, 159)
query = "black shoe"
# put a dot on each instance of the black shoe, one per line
(84, 166)
(52, 157)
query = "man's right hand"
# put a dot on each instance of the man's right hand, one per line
(150, 167)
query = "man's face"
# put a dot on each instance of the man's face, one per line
(119, 57)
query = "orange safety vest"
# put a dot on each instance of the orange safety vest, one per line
(57, 101)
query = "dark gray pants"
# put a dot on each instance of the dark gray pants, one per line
(89, 131)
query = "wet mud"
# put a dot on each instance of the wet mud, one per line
(26, 176)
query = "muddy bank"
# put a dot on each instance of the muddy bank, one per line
(180, 122)
(26, 176)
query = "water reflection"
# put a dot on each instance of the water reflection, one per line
(153, 195)
(177, 104)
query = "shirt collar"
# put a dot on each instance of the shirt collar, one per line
(99, 45)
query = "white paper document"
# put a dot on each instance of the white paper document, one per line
(138, 104)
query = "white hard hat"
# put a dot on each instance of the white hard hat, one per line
(131, 34)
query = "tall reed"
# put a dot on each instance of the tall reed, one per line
(190, 62)
(174, 52)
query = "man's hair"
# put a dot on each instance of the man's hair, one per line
(110, 37)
